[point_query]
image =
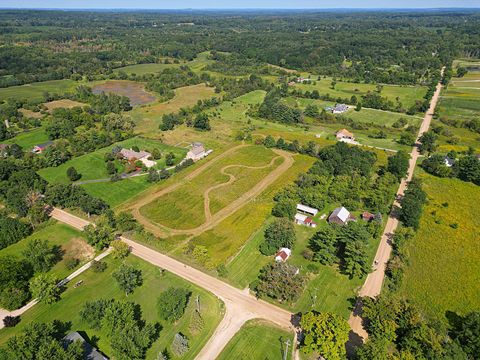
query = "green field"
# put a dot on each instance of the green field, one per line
(35, 91)
(258, 340)
(407, 94)
(28, 139)
(92, 165)
(444, 263)
(366, 115)
(196, 64)
(184, 207)
(101, 285)
(70, 241)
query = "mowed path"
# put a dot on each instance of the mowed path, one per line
(240, 306)
(374, 281)
(215, 219)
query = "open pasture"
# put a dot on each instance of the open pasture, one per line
(28, 139)
(191, 204)
(36, 90)
(406, 94)
(102, 286)
(135, 91)
(443, 272)
(148, 118)
(64, 103)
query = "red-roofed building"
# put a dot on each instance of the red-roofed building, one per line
(367, 216)
(283, 255)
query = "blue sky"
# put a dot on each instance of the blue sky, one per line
(217, 4)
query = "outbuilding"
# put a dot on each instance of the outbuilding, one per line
(340, 216)
(307, 209)
(301, 219)
(283, 254)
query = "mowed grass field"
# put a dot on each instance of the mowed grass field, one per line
(149, 117)
(35, 91)
(184, 207)
(444, 262)
(258, 340)
(365, 115)
(92, 166)
(28, 139)
(407, 94)
(71, 243)
(102, 286)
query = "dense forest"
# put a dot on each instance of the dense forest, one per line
(401, 48)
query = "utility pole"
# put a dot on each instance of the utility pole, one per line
(285, 354)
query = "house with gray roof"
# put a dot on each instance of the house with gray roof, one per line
(90, 352)
(340, 216)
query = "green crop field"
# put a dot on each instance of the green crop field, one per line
(29, 138)
(102, 286)
(258, 340)
(35, 91)
(92, 166)
(70, 241)
(407, 94)
(184, 207)
(444, 272)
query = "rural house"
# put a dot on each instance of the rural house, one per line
(142, 156)
(307, 209)
(90, 352)
(339, 108)
(449, 162)
(197, 152)
(340, 216)
(283, 255)
(345, 135)
(301, 219)
(38, 149)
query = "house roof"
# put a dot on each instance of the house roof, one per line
(341, 213)
(90, 352)
(449, 161)
(344, 132)
(284, 253)
(309, 220)
(300, 217)
(197, 149)
(340, 107)
(306, 209)
(44, 145)
(130, 154)
(367, 215)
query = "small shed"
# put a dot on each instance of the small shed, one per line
(301, 219)
(283, 254)
(344, 134)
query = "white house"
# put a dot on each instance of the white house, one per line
(283, 254)
(197, 152)
(344, 134)
(301, 219)
(339, 108)
(307, 209)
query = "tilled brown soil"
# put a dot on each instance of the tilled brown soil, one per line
(133, 90)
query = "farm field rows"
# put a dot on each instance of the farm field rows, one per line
(258, 340)
(102, 286)
(444, 272)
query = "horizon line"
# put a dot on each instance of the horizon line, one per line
(246, 8)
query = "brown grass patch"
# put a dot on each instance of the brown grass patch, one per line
(133, 90)
(31, 114)
(77, 248)
(64, 103)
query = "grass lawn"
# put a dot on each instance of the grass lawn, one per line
(407, 94)
(444, 262)
(149, 117)
(184, 207)
(29, 138)
(116, 193)
(258, 340)
(71, 242)
(92, 166)
(35, 91)
(101, 285)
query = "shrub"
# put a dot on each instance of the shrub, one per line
(71, 263)
(72, 174)
(11, 321)
(13, 298)
(98, 266)
(172, 303)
